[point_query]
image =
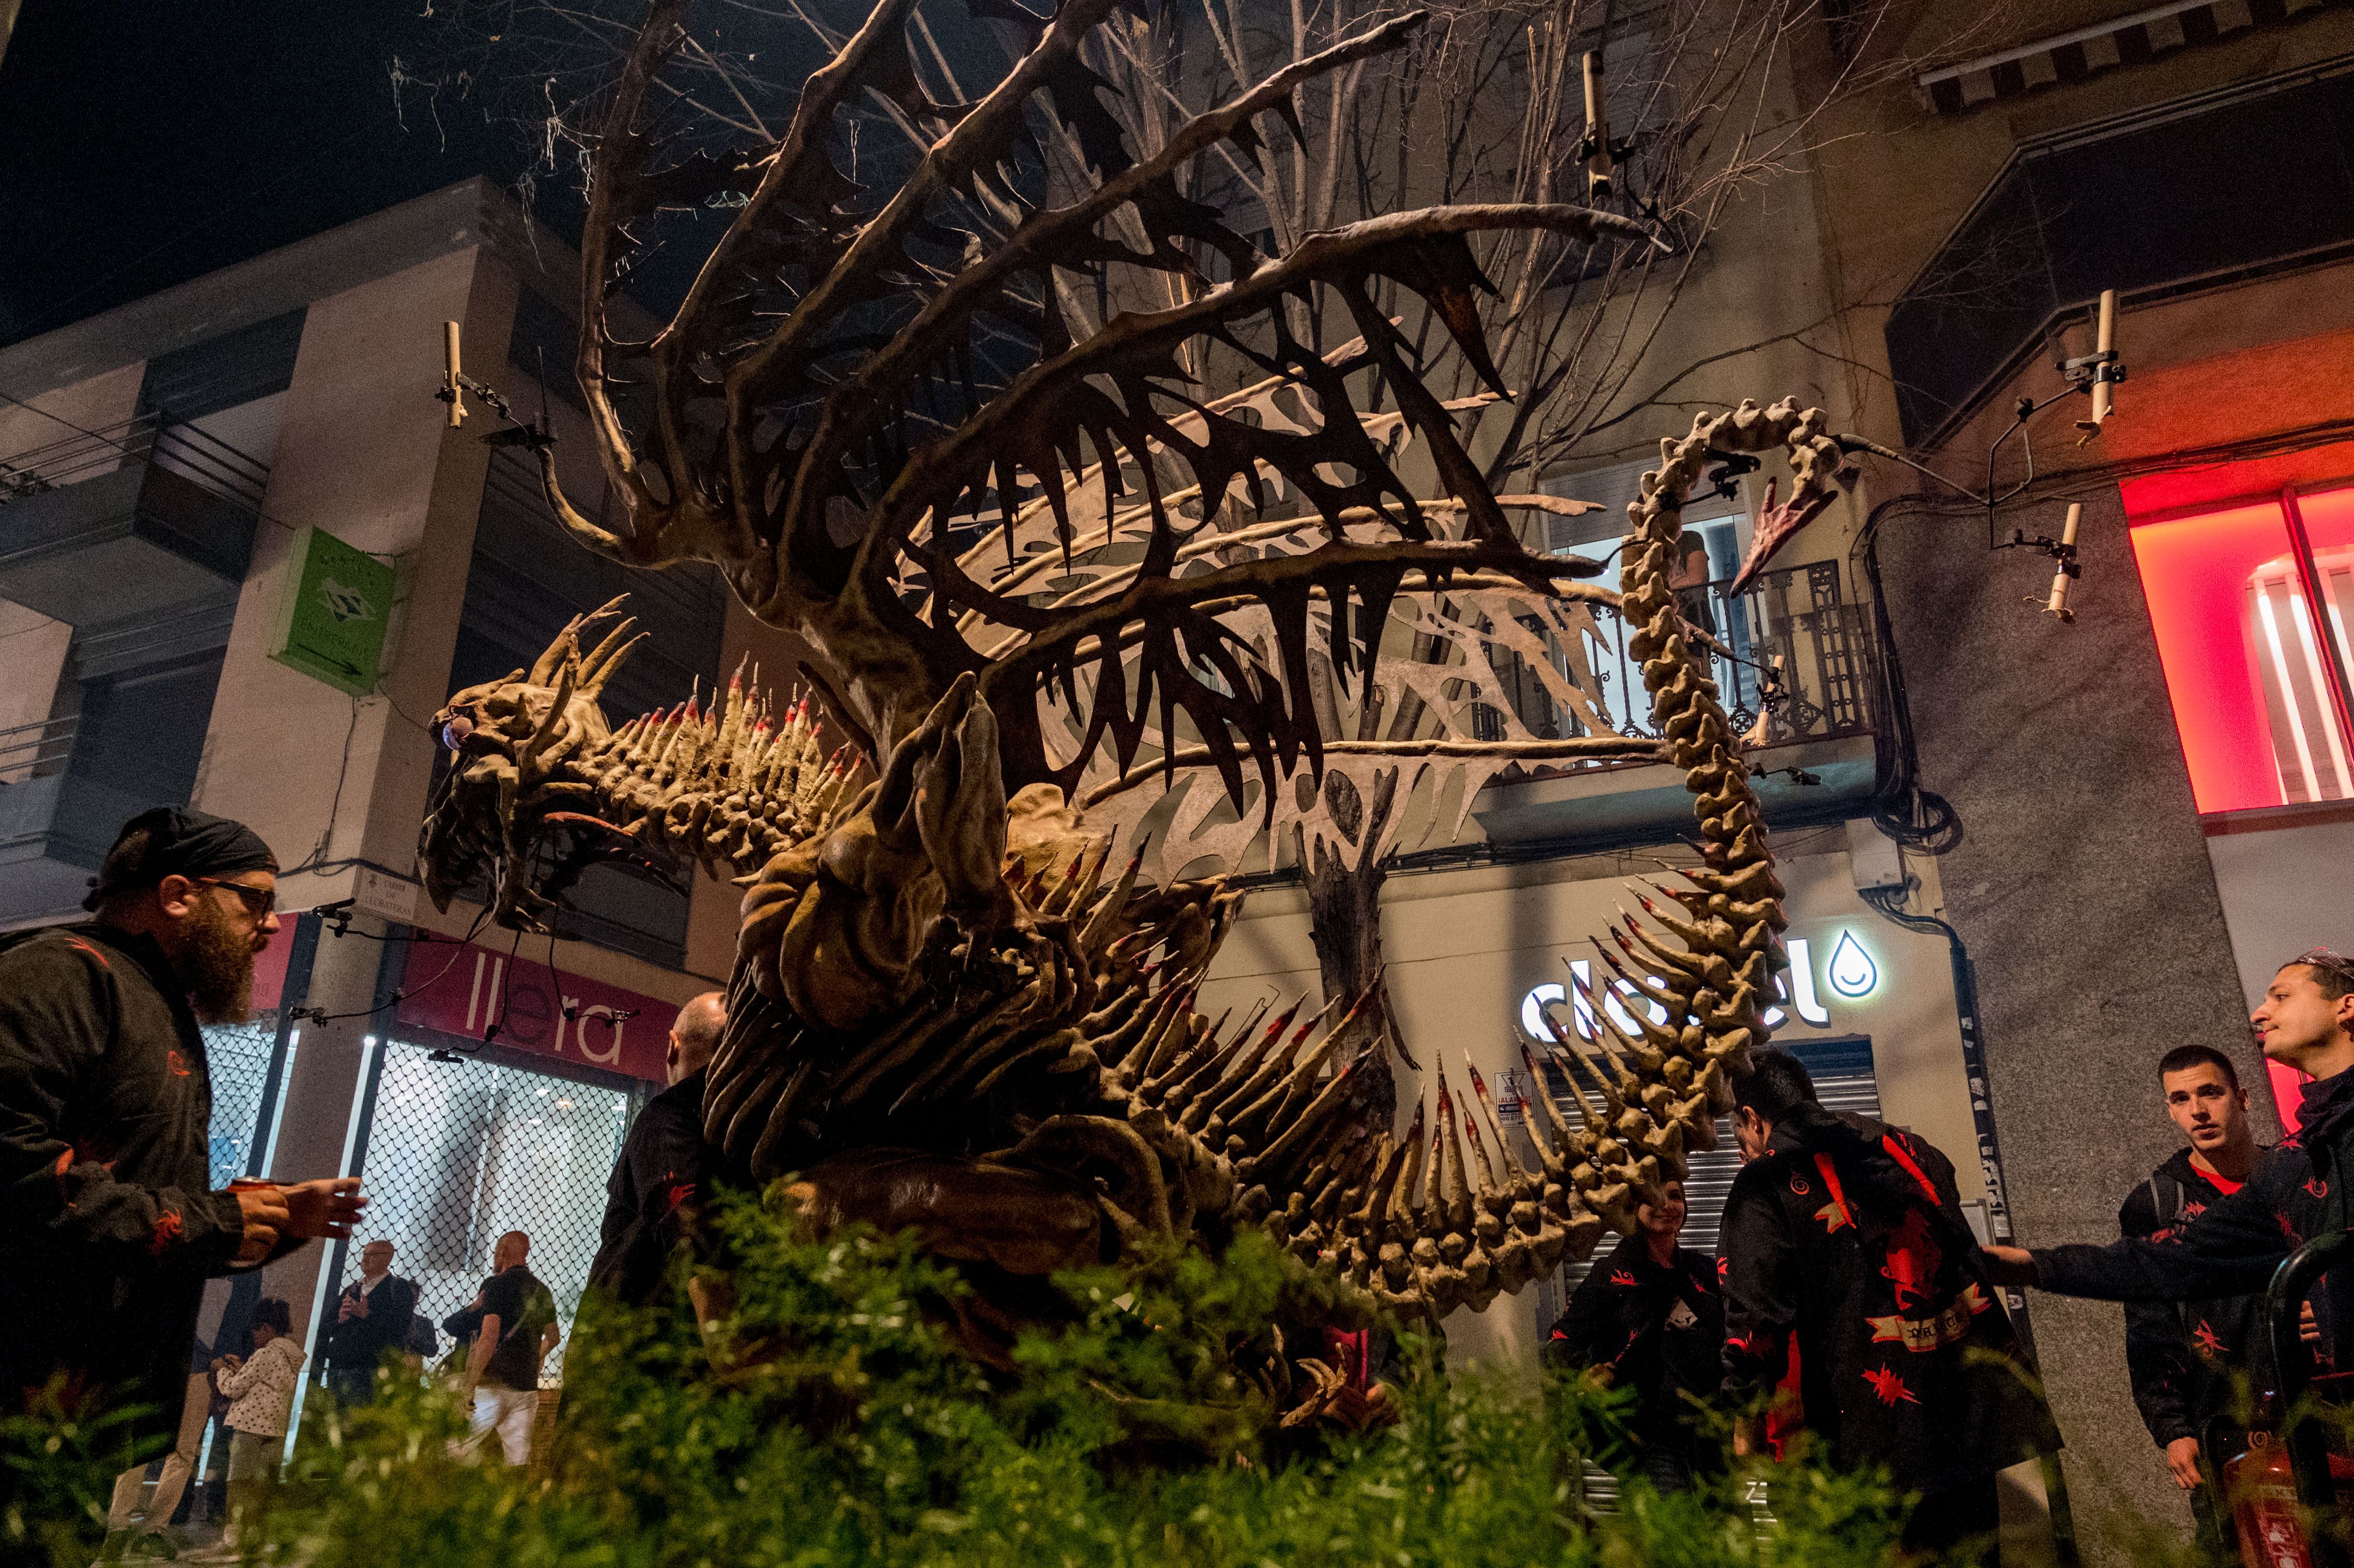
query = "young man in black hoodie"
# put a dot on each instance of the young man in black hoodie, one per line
(1852, 1285)
(2182, 1357)
(2297, 1193)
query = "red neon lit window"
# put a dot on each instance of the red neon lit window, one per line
(2247, 659)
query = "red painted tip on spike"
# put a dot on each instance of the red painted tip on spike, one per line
(1648, 908)
(1479, 1084)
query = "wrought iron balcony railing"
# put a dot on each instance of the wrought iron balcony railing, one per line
(1795, 649)
(37, 749)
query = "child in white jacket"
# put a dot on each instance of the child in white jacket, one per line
(261, 1389)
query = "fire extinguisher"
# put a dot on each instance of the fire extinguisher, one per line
(2260, 1480)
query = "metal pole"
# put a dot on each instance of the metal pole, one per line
(2333, 662)
(1965, 1002)
(390, 971)
(291, 998)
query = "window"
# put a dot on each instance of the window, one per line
(2251, 603)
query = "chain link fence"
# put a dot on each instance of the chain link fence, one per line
(459, 1151)
(239, 1055)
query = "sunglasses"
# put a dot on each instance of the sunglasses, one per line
(260, 903)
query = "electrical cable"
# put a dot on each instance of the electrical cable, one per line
(402, 993)
(1919, 820)
(491, 1030)
(317, 856)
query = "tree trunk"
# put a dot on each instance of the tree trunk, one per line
(1345, 915)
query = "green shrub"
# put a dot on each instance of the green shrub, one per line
(848, 1428)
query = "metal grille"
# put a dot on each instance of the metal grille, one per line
(461, 1151)
(239, 1056)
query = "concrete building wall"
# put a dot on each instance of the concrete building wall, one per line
(2083, 889)
(33, 650)
(363, 454)
(2084, 883)
(94, 402)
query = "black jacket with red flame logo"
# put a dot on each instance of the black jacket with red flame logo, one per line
(2181, 1355)
(1845, 1248)
(1659, 1328)
(107, 1220)
(2294, 1193)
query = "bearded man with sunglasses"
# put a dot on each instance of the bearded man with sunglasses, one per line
(108, 1221)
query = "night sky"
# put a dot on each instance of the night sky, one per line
(145, 143)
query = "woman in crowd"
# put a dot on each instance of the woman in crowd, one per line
(1648, 1318)
(261, 1388)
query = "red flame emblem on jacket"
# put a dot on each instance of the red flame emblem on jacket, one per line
(168, 1229)
(1620, 1276)
(1889, 1386)
(1913, 1255)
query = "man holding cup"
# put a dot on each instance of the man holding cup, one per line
(106, 1211)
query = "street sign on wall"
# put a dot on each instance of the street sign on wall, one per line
(331, 623)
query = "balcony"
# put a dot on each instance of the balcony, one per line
(2170, 201)
(69, 784)
(149, 518)
(1795, 647)
(34, 879)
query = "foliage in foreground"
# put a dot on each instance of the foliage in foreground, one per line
(851, 1431)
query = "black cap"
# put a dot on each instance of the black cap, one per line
(177, 840)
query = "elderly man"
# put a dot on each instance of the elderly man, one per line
(108, 1220)
(651, 1199)
(372, 1318)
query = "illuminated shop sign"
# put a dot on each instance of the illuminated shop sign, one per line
(1848, 972)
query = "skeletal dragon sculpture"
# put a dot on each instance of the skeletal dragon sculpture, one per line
(955, 1008)
(949, 1013)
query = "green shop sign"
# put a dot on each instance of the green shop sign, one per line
(330, 625)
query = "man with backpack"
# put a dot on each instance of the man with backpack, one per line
(500, 1387)
(2183, 1355)
(1855, 1306)
(2306, 1020)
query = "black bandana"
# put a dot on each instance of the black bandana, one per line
(181, 842)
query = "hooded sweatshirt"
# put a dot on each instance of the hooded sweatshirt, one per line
(1845, 1250)
(2295, 1192)
(261, 1392)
